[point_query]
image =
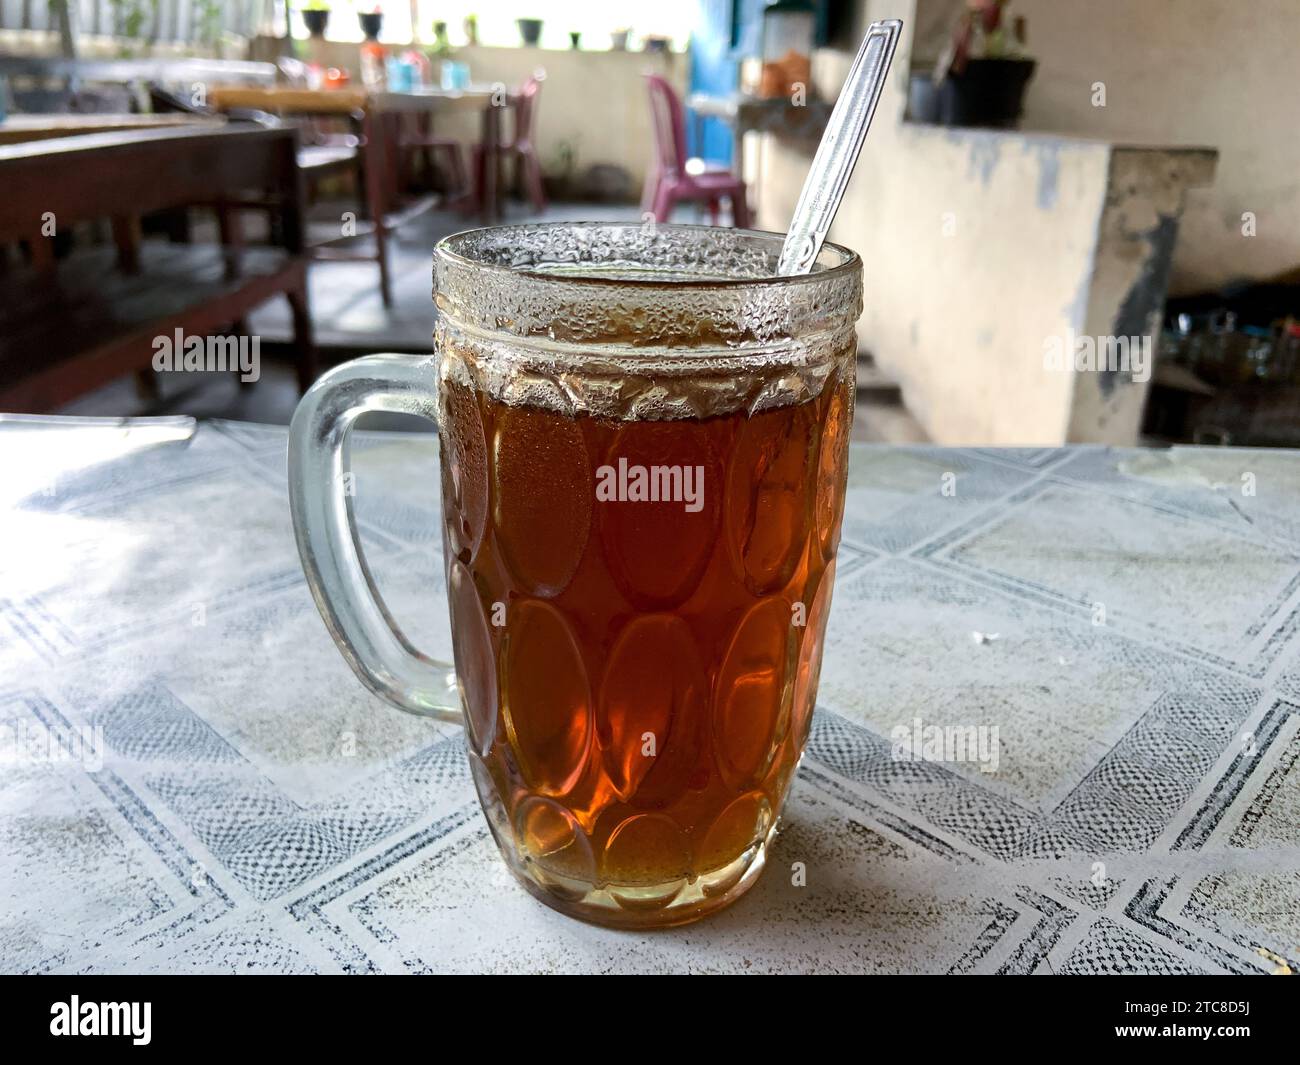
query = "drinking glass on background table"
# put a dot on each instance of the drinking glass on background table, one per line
(644, 439)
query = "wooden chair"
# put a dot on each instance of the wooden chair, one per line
(673, 178)
(416, 139)
(321, 154)
(520, 146)
(70, 325)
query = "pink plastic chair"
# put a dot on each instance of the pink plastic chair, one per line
(669, 181)
(521, 146)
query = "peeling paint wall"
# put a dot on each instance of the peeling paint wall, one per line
(982, 248)
(975, 247)
(1146, 192)
(1215, 73)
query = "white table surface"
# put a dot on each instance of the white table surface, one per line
(257, 810)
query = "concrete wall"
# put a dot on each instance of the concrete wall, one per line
(593, 102)
(1146, 195)
(1203, 72)
(979, 246)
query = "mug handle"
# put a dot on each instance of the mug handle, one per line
(326, 529)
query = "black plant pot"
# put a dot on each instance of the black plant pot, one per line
(316, 19)
(530, 29)
(371, 23)
(989, 92)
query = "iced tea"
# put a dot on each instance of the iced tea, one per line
(644, 439)
(638, 609)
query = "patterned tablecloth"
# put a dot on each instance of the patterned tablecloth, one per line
(1125, 620)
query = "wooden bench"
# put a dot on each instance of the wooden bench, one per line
(68, 326)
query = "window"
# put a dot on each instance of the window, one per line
(594, 19)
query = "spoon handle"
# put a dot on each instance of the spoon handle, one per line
(838, 151)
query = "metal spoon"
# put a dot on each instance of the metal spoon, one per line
(837, 153)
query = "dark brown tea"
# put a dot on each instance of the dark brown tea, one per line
(638, 609)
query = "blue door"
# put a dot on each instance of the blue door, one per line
(714, 70)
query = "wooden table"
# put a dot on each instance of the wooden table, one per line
(377, 115)
(376, 107)
(174, 70)
(1164, 743)
(19, 129)
(73, 323)
(282, 99)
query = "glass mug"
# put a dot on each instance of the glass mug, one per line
(644, 442)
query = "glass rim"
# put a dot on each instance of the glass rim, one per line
(450, 251)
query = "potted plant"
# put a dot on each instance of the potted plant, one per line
(316, 16)
(983, 73)
(371, 23)
(441, 47)
(130, 18)
(530, 30)
(471, 29)
(208, 22)
(575, 39)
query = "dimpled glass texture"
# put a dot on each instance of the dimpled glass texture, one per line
(638, 675)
